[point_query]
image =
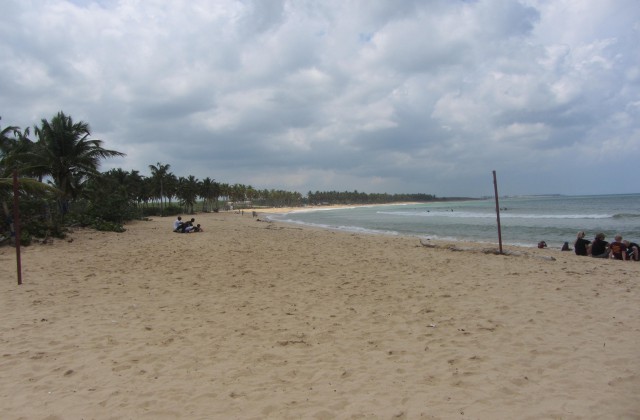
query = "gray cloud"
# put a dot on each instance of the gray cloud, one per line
(377, 96)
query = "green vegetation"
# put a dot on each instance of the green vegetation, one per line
(60, 185)
(334, 197)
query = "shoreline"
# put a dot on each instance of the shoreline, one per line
(363, 231)
(268, 320)
(520, 227)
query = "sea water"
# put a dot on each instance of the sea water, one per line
(524, 220)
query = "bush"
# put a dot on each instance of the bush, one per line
(25, 238)
(97, 223)
(38, 219)
(157, 211)
(44, 229)
(173, 210)
(112, 209)
(105, 226)
(150, 211)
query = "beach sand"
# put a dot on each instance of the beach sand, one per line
(260, 320)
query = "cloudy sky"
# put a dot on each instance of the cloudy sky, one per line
(424, 96)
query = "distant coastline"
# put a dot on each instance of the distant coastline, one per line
(311, 207)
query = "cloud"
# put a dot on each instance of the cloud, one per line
(371, 95)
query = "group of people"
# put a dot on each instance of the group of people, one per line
(619, 249)
(186, 227)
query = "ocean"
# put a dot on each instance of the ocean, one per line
(525, 220)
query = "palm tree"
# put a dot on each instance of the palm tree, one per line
(135, 183)
(65, 153)
(251, 194)
(146, 191)
(159, 176)
(225, 192)
(206, 192)
(5, 140)
(12, 142)
(238, 193)
(188, 192)
(171, 187)
(11, 139)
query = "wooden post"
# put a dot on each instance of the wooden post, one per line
(495, 189)
(16, 224)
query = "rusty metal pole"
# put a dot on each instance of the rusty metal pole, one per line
(495, 189)
(16, 224)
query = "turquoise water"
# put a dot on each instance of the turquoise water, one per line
(524, 220)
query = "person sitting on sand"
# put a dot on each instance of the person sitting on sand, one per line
(581, 244)
(197, 228)
(633, 250)
(542, 244)
(617, 249)
(599, 247)
(188, 226)
(565, 247)
(177, 224)
(184, 227)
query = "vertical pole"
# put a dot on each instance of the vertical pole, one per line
(16, 224)
(495, 189)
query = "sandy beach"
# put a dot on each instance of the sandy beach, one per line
(259, 320)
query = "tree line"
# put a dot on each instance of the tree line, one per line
(355, 197)
(60, 185)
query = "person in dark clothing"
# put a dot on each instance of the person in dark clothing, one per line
(599, 247)
(581, 245)
(187, 226)
(633, 250)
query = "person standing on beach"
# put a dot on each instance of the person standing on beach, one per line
(581, 244)
(617, 249)
(599, 247)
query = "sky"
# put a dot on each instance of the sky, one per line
(410, 96)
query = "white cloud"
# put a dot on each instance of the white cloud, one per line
(371, 95)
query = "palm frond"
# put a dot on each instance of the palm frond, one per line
(27, 185)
